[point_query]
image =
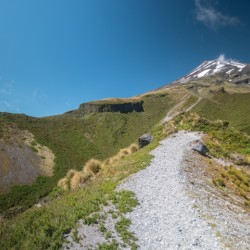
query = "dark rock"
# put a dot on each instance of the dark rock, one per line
(145, 140)
(95, 107)
(200, 148)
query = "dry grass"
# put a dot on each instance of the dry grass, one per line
(92, 167)
(114, 159)
(122, 153)
(170, 127)
(125, 151)
(64, 184)
(75, 179)
(71, 173)
(133, 148)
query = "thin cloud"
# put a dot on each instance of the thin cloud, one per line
(213, 18)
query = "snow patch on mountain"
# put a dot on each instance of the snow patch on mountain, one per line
(219, 65)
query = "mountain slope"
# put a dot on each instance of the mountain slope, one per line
(100, 129)
(74, 140)
(233, 107)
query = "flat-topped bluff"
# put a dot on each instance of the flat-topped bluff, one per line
(110, 105)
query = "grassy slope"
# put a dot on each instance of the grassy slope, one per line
(58, 216)
(234, 108)
(75, 140)
(43, 228)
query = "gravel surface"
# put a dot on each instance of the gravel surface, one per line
(166, 217)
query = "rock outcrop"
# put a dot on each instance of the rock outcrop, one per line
(109, 106)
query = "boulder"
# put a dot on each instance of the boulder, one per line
(200, 148)
(144, 140)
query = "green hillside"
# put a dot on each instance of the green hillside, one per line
(75, 140)
(233, 107)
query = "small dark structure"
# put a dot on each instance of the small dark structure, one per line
(144, 140)
(201, 148)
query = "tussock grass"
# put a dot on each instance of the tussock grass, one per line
(71, 173)
(75, 179)
(92, 167)
(133, 148)
(122, 153)
(63, 183)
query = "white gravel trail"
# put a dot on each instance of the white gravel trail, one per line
(165, 218)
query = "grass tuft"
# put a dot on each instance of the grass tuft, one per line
(64, 184)
(133, 148)
(92, 167)
(77, 180)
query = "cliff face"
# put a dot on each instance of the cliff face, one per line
(95, 107)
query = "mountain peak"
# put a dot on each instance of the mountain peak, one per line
(226, 67)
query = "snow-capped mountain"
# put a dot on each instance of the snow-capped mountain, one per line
(232, 71)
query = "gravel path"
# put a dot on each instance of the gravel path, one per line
(166, 217)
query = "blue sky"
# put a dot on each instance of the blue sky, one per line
(56, 54)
